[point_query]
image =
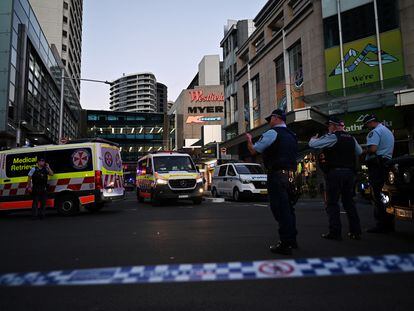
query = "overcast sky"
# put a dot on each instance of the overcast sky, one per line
(166, 37)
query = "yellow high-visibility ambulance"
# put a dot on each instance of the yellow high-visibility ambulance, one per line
(87, 173)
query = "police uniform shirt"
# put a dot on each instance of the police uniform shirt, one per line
(383, 138)
(267, 139)
(330, 140)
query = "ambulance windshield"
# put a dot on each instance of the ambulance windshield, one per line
(173, 164)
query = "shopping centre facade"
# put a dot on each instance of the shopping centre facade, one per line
(293, 61)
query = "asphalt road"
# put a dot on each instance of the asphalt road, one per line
(126, 234)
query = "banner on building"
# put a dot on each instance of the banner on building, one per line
(389, 116)
(361, 61)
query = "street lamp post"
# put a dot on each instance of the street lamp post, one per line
(62, 97)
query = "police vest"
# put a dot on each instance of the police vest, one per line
(342, 154)
(282, 154)
(39, 179)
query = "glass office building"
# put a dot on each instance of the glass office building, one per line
(136, 133)
(30, 71)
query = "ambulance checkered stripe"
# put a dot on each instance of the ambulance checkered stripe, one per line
(55, 185)
(61, 184)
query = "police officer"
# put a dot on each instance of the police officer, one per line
(37, 186)
(380, 147)
(278, 147)
(341, 151)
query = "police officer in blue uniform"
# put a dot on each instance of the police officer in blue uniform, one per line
(341, 151)
(380, 147)
(278, 147)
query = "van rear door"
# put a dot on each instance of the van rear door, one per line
(112, 173)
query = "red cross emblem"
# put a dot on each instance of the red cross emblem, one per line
(108, 159)
(80, 159)
(118, 161)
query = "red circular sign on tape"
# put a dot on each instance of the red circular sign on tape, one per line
(276, 268)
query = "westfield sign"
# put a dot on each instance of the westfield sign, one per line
(198, 96)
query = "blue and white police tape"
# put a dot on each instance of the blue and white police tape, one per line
(271, 269)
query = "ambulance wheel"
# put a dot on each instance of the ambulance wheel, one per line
(94, 207)
(67, 205)
(155, 201)
(140, 198)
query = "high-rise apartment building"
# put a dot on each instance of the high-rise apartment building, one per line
(162, 97)
(138, 92)
(61, 21)
(134, 93)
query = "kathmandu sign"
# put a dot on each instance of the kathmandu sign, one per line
(198, 96)
(389, 116)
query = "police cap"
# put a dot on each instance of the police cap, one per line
(277, 113)
(369, 118)
(335, 121)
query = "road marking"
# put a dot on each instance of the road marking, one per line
(261, 205)
(231, 271)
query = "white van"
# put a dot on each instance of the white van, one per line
(87, 173)
(168, 175)
(239, 180)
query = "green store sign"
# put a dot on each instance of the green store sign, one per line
(361, 61)
(390, 117)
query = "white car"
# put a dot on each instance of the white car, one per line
(239, 180)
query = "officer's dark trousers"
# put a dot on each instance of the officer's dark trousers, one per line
(376, 172)
(39, 197)
(340, 183)
(283, 211)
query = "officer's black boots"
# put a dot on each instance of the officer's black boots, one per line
(331, 236)
(283, 248)
(354, 236)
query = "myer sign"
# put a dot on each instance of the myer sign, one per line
(390, 117)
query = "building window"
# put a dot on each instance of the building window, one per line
(64, 47)
(296, 75)
(259, 43)
(65, 5)
(64, 33)
(246, 106)
(359, 22)
(65, 19)
(280, 69)
(277, 24)
(256, 100)
(280, 83)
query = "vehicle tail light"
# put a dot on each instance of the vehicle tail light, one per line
(98, 180)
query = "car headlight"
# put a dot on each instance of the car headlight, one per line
(385, 199)
(391, 178)
(407, 177)
(162, 181)
(245, 181)
(199, 180)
